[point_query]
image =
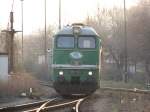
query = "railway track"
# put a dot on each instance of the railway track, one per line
(23, 107)
(47, 105)
(72, 104)
(135, 90)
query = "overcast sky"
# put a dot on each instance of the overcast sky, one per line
(72, 11)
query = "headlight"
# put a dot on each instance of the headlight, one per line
(90, 73)
(61, 72)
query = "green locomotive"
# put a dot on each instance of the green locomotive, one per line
(76, 60)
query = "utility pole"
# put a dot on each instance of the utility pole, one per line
(22, 33)
(12, 32)
(11, 42)
(59, 14)
(45, 39)
(125, 45)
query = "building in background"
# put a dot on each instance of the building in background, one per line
(3, 66)
(3, 58)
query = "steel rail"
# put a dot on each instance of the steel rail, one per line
(135, 90)
(42, 106)
(38, 109)
(70, 103)
(73, 103)
(23, 106)
(79, 103)
(45, 105)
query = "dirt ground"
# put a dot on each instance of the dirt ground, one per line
(15, 101)
(46, 92)
(97, 102)
(102, 102)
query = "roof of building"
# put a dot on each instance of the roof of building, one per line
(3, 53)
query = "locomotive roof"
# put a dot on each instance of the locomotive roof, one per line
(84, 30)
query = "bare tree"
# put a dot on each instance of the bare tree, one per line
(109, 25)
(139, 31)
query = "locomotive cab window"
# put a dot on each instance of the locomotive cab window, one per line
(65, 42)
(86, 42)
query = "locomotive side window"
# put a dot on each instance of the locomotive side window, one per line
(86, 42)
(65, 42)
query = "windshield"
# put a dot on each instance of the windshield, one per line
(65, 42)
(86, 42)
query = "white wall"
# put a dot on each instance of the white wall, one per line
(4, 67)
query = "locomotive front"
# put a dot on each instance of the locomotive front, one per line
(76, 60)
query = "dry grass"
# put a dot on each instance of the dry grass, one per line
(18, 83)
(123, 101)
